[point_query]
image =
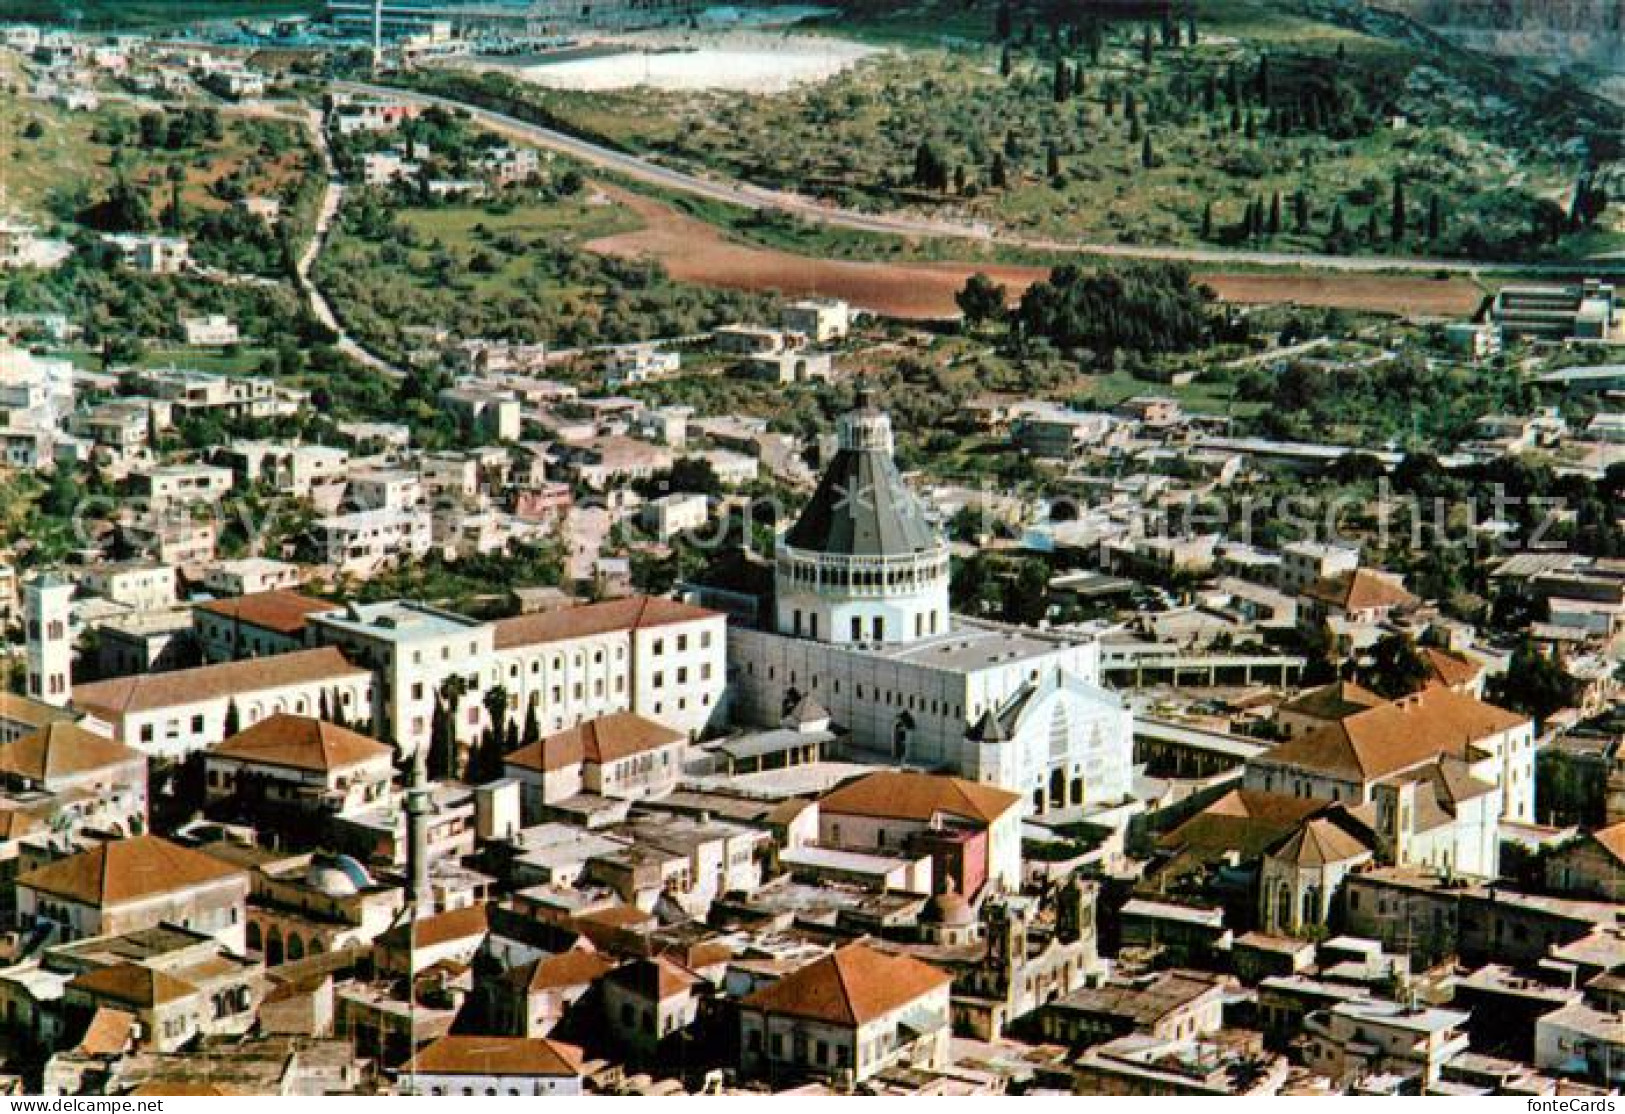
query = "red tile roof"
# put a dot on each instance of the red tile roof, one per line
(1396, 736)
(631, 613)
(109, 1033)
(576, 967)
(1360, 590)
(605, 739)
(1333, 701)
(302, 743)
(128, 870)
(525, 1056)
(850, 987)
(1243, 820)
(62, 750)
(442, 928)
(130, 984)
(1320, 841)
(141, 692)
(1451, 670)
(906, 795)
(280, 611)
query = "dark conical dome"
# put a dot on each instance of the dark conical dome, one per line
(862, 507)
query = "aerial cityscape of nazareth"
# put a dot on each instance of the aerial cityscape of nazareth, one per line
(860, 547)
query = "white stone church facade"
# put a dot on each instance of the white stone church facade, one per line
(864, 630)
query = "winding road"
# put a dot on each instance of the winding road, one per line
(332, 199)
(757, 198)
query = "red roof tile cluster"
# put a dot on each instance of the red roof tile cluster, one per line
(849, 987)
(1395, 736)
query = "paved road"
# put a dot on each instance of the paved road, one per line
(758, 198)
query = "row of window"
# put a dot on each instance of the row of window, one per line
(252, 714)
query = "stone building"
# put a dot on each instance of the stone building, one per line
(861, 624)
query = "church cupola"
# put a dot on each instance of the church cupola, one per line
(864, 564)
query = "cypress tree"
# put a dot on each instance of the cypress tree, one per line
(1000, 176)
(1207, 221)
(1435, 217)
(1063, 82)
(1053, 161)
(1397, 223)
(1300, 211)
(1148, 157)
(1006, 63)
(1275, 214)
(1146, 47)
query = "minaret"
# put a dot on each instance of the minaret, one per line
(419, 807)
(377, 35)
(47, 611)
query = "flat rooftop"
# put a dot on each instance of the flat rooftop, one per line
(396, 621)
(811, 780)
(967, 647)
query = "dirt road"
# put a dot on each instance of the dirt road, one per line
(693, 251)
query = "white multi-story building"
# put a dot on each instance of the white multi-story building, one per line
(494, 411)
(820, 320)
(863, 628)
(170, 715)
(659, 658)
(182, 484)
(671, 515)
(201, 391)
(287, 469)
(251, 575)
(384, 489)
(364, 541)
(141, 585)
(1303, 563)
(213, 331)
(415, 650)
(35, 393)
